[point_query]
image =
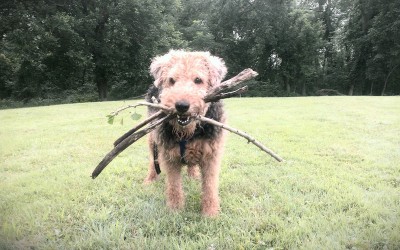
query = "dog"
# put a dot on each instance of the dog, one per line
(182, 79)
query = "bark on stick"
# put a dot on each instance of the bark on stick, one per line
(242, 134)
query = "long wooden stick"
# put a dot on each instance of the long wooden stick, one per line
(155, 116)
(137, 135)
(213, 94)
(242, 134)
(165, 114)
(220, 96)
(126, 143)
(243, 76)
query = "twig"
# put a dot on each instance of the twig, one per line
(124, 144)
(116, 112)
(159, 106)
(242, 134)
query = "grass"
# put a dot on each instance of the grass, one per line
(338, 188)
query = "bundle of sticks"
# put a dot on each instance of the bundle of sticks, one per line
(167, 113)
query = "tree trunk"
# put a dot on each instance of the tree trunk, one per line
(387, 78)
(101, 82)
(372, 88)
(83, 76)
(351, 90)
(100, 73)
(287, 85)
(103, 93)
(365, 19)
(303, 89)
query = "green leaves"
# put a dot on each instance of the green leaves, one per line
(110, 119)
(134, 116)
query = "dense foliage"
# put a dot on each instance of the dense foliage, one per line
(101, 49)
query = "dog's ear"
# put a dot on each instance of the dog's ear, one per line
(217, 69)
(157, 67)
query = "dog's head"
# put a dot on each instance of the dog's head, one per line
(183, 79)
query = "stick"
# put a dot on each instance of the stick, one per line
(243, 76)
(124, 144)
(168, 110)
(159, 114)
(214, 94)
(227, 94)
(155, 116)
(242, 134)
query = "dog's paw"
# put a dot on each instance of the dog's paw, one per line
(150, 179)
(176, 203)
(210, 213)
(210, 206)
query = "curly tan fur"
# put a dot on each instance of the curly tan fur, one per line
(185, 77)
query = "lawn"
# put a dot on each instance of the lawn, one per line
(338, 188)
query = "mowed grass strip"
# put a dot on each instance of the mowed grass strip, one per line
(339, 186)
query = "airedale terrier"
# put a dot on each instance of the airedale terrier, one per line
(181, 81)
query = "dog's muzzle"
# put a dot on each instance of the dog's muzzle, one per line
(182, 107)
(183, 120)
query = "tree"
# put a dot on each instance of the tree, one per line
(373, 41)
(78, 47)
(100, 49)
(384, 35)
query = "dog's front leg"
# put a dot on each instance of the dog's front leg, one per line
(151, 173)
(174, 190)
(210, 175)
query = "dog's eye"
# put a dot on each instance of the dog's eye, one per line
(198, 80)
(171, 81)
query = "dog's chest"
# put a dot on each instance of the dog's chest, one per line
(189, 153)
(192, 153)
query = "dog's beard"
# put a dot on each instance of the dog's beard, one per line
(183, 132)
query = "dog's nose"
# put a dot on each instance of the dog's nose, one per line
(182, 106)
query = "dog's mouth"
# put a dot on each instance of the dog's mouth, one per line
(183, 120)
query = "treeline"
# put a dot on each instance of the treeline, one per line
(88, 50)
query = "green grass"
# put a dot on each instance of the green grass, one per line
(338, 188)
